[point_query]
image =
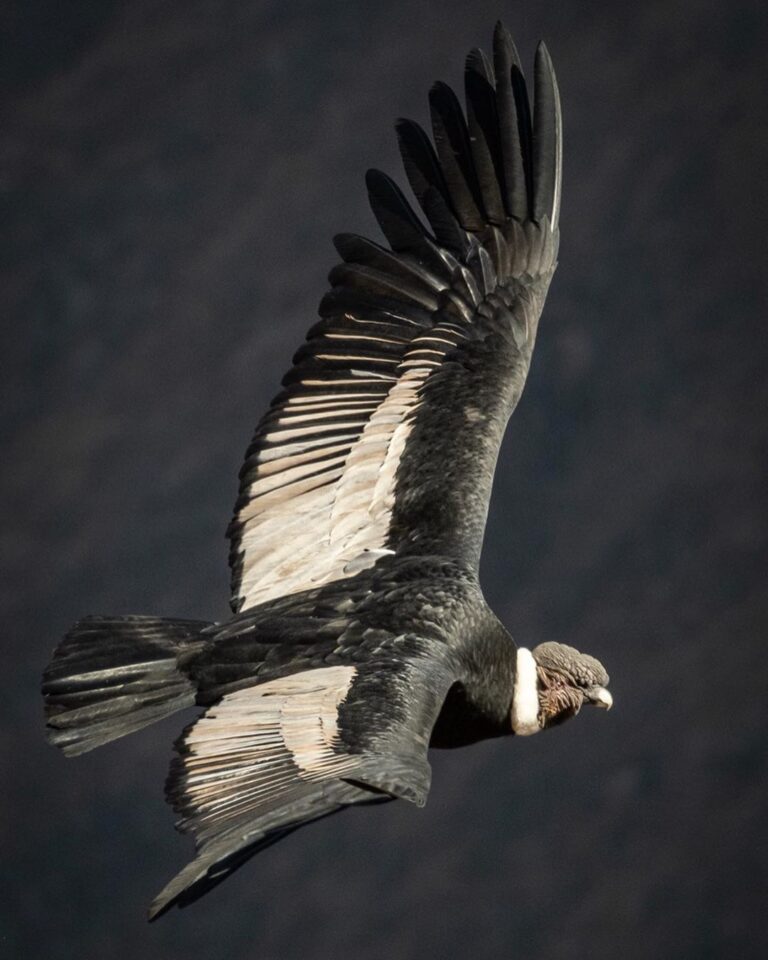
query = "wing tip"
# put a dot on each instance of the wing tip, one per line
(529, 167)
(504, 45)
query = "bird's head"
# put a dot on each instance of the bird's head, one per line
(567, 680)
(552, 683)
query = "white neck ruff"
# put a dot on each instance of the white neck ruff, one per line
(525, 696)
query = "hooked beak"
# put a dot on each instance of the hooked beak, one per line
(600, 697)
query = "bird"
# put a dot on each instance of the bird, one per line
(359, 637)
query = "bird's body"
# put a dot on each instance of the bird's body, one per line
(421, 607)
(360, 635)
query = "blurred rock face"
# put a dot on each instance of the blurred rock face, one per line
(171, 176)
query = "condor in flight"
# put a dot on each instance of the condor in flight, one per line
(360, 636)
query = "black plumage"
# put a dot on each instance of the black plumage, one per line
(359, 634)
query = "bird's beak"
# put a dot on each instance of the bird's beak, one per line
(600, 697)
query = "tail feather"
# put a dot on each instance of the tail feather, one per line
(111, 676)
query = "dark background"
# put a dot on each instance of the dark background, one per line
(172, 173)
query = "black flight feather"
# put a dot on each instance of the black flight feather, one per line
(483, 128)
(420, 161)
(524, 129)
(404, 231)
(398, 222)
(382, 281)
(547, 139)
(514, 186)
(353, 248)
(446, 227)
(449, 129)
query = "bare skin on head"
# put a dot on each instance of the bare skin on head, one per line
(554, 682)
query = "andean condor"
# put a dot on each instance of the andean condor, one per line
(360, 636)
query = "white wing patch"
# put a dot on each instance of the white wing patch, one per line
(320, 506)
(258, 742)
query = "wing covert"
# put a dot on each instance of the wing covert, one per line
(385, 437)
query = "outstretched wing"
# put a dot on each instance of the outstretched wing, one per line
(267, 759)
(386, 435)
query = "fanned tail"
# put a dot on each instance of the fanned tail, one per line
(111, 676)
